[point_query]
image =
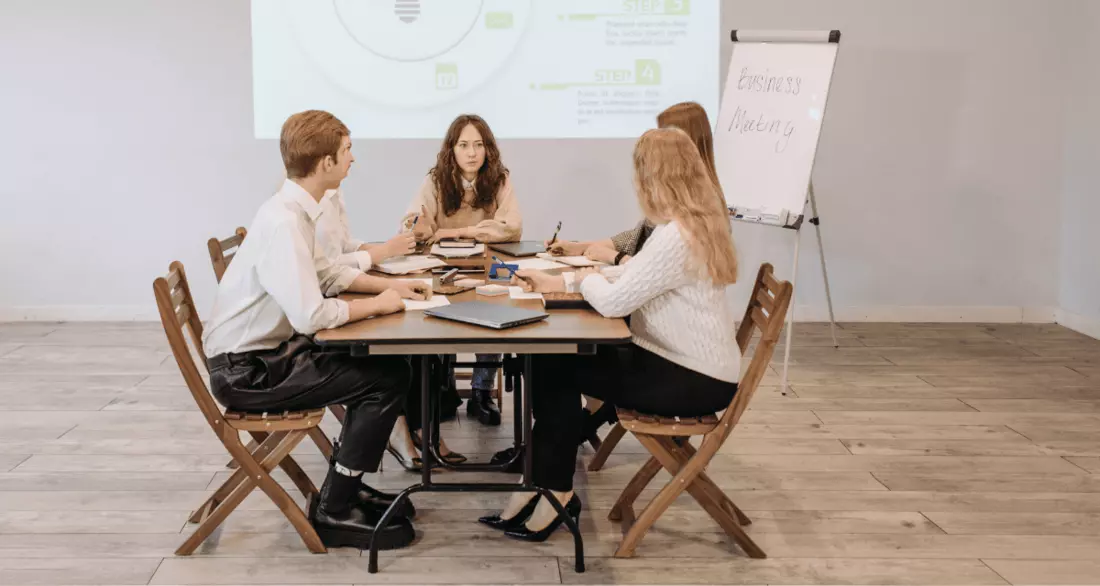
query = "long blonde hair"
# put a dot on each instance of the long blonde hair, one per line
(692, 119)
(673, 184)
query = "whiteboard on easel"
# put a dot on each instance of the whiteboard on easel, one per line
(768, 127)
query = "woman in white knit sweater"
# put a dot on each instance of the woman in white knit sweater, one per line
(684, 360)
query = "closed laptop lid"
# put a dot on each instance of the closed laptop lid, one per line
(490, 315)
(525, 248)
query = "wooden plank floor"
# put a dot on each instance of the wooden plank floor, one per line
(913, 454)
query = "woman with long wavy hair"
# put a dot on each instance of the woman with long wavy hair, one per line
(683, 360)
(468, 193)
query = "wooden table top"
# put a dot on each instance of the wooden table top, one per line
(412, 332)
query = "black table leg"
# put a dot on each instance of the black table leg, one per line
(517, 414)
(426, 428)
(429, 431)
(525, 415)
(528, 464)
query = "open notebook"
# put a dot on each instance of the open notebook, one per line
(404, 265)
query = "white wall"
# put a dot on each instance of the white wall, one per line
(1080, 242)
(942, 135)
(129, 143)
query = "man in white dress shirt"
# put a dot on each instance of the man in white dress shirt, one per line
(277, 293)
(335, 239)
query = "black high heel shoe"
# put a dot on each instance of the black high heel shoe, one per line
(415, 464)
(496, 522)
(451, 457)
(572, 508)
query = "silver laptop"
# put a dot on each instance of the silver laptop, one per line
(487, 315)
(519, 249)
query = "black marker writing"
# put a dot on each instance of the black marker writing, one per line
(744, 123)
(767, 83)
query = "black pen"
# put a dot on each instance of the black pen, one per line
(555, 237)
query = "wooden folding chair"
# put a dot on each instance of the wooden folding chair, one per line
(223, 251)
(607, 445)
(275, 435)
(221, 254)
(668, 439)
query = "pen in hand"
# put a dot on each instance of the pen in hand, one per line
(554, 238)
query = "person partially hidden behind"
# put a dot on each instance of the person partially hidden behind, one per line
(684, 360)
(273, 298)
(620, 248)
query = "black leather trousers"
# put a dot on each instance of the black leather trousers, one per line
(300, 375)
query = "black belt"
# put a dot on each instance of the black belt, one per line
(226, 360)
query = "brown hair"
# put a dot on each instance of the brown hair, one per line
(692, 119)
(673, 184)
(447, 175)
(307, 138)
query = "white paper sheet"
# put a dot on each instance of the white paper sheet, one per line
(537, 264)
(435, 301)
(519, 293)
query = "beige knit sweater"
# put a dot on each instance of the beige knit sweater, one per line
(501, 222)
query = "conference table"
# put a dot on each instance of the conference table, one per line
(411, 333)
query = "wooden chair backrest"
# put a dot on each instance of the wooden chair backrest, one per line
(223, 251)
(766, 311)
(177, 312)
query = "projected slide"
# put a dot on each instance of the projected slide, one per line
(532, 68)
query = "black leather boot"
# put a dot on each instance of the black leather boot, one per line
(481, 406)
(342, 521)
(374, 498)
(381, 501)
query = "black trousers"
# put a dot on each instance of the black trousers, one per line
(440, 382)
(628, 377)
(300, 375)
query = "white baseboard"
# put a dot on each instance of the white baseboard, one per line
(80, 313)
(927, 314)
(803, 313)
(1089, 326)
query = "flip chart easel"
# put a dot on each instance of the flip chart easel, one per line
(768, 132)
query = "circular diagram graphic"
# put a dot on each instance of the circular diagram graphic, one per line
(408, 53)
(418, 35)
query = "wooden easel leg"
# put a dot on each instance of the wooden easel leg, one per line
(790, 315)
